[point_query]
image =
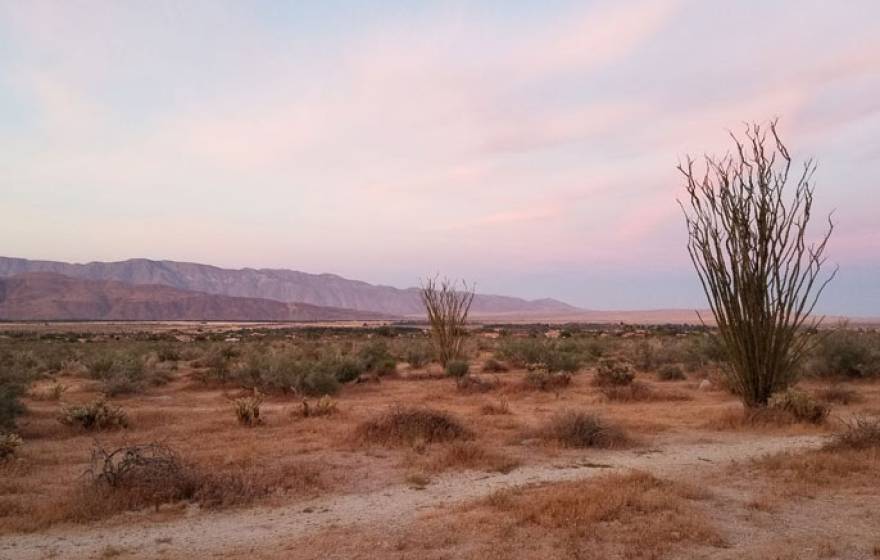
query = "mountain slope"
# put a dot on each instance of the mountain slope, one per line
(51, 296)
(328, 290)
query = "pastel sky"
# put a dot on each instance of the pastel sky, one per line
(527, 146)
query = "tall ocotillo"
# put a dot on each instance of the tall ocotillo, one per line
(447, 308)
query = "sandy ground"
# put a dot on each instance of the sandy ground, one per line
(201, 535)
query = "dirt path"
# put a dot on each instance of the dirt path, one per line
(205, 535)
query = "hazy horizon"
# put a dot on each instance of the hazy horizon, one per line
(529, 149)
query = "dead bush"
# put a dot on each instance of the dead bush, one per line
(473, 384)
(412, 425)
(141, 475)
(611, 372)
(799, 405)
(96, 415)
(582, 429)
(860, 433)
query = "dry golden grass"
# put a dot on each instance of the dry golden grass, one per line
(412, 426)
(582, 429)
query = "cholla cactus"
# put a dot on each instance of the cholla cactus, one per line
(247, 409)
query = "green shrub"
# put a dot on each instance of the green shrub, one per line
(10, 406)
(96, 415)
(123, 372)
(799, 405)
(317, 383)
(417, 355)
(457, 368)
(613, 372)
(670, 372)
(346, 369)
(847, 353)
(556, 361)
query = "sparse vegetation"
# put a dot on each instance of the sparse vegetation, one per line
(670, 372)
(457, 369)
(96, 415)
(846, 353)
(494, 366)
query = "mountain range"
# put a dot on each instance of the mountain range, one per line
(143, 289)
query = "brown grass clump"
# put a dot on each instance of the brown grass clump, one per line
(411, 425)
(581, 429)
(469, 455)
(643, 515)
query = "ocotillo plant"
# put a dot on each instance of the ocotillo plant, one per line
(447, 308)
(747, 238)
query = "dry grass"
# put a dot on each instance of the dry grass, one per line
(640, 392)
(839, 394)
(581, 429)
(621, 515)
(411, 426)
(496, 408)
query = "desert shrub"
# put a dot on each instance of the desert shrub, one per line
(376, 358)
(247, 409)
(470, 455)
(96, 415)
(839, 394)
(412, 425)
(522, 352)
(457, 368)
(317, 383)
(860, 433)
(670, 372)
(546, 381)
(846, 353)
(10, 406)
(123, 372)
(799, 405)
(346, 369)
(613, 372)
(417, 355)
(494, 366)
(168, 354)
(581, 429)
(9, 444)
(557, 361)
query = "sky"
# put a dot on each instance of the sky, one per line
(529, 147)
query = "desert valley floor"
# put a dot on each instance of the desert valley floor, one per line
(402, 461)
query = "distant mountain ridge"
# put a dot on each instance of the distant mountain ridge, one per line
(48, 296)
(325, 290)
